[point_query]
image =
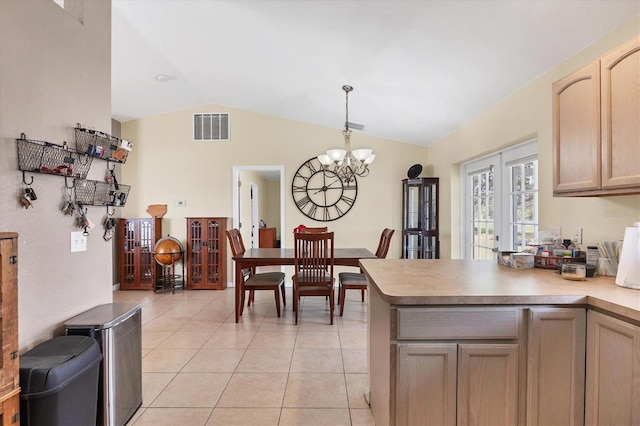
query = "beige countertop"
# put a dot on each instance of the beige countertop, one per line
(472, 282)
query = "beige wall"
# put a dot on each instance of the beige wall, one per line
(525, 114)
(166, 165)
(54, 72)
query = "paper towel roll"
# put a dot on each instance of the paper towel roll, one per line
(629, 265)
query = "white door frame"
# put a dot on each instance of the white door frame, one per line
(255, 202)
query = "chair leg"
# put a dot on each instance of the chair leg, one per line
(331, 304)
(341, 298)
(362, 291)
(295, 304)
(242, 301)
(277, 301)
(340, 301)
(251, 297)
(284, 296)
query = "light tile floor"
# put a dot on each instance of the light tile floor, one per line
(201, 368)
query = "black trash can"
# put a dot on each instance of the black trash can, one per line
(59, 381)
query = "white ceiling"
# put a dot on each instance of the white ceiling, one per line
(420, 69)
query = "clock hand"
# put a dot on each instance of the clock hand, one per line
(324, 189)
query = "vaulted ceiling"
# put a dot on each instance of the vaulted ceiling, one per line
(420, 69)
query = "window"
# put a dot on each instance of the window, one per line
(500, 201)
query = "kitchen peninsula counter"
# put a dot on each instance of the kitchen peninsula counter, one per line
(478, 282)
(463, 341)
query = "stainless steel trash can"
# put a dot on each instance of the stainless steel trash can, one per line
(117, 328)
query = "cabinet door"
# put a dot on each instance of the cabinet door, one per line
(9, 368)
(487, 384)
(146, 240)
(206, 254)
(556, 356)
(620, 74)
(10, 412)
(426, 384)
(576, 131)
(613, 371)
(136, 239)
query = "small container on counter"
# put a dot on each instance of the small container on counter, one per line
(574, 271)
(521, 260)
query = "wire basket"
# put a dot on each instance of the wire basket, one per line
(49, 158)
(97, 193)
(101, 145)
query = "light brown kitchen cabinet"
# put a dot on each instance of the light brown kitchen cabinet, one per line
(136, 241)
(444, 357)
(620, 81)
(427, 383)
(206, 253)
(576, 131)
(9, 368)
(438, 384)
(596, 126)
(613, 371)
(556, 372)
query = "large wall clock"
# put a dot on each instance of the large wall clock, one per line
(320, 194)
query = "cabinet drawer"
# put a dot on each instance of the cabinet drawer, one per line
(458, 323)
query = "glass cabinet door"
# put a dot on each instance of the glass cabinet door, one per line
(420, 238)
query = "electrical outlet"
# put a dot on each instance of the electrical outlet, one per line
(555, 232)
(577, 235)
(181, 203)
(78, 242)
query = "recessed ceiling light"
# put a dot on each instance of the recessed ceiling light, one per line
(163, 78)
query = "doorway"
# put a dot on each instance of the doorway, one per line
(245, 180)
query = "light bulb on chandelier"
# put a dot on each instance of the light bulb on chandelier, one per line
(347, 164)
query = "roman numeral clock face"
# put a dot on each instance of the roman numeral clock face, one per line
(320, 194)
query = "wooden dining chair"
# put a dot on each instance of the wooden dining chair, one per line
(313, 268)
(358, 281)
(251, 280)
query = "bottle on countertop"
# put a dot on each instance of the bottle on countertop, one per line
(559, 248)
(574, 248)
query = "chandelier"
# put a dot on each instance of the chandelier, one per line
(345, 163)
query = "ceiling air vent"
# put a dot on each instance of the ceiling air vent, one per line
(210, 127)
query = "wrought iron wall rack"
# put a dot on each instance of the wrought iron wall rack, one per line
(97, 193)
(49, 158)
(101, 145)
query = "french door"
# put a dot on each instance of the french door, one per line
(500, 201)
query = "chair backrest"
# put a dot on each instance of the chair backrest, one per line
(385, 241)
(235, 240)
(316, 230)
(313, 257)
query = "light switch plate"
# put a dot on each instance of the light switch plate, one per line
(78, 242)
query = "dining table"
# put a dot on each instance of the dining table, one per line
(255, 257)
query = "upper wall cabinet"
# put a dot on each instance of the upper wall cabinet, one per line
(620, 82)
(596, 126)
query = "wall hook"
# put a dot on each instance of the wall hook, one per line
(24, 178)
(73, 183)
(110, 213)
(109, 168)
